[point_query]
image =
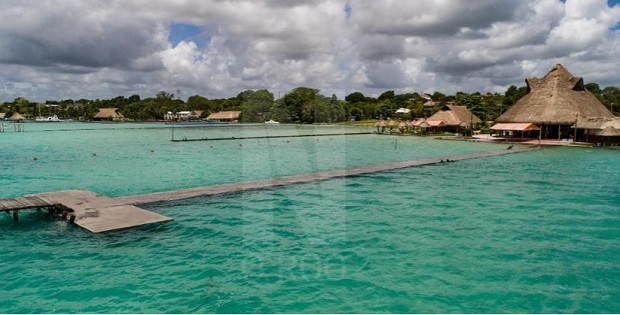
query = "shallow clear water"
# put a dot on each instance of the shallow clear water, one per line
(116, 159)
(535, 232)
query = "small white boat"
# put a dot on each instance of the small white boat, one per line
(271, 122)
(48, 119)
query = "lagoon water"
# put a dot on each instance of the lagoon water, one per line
(534, 232)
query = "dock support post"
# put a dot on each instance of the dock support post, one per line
(50, 210)
(16, 215)
(64, 214)
(72, 219)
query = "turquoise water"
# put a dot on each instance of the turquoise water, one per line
(123, 163)
(535, 232)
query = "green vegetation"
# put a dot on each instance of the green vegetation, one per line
(301, 105)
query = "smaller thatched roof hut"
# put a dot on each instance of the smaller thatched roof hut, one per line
(227, 116)
(456, 116)
(17, 117)
(111, 114)
(597, 123)
(195, 114)
(380, 123)
(420, 123)
(2, 115)
(609, 131)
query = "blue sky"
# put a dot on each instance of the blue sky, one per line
(611, 4)
(188, 32)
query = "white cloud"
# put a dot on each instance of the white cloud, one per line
(101, 49)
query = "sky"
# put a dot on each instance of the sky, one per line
(99, 49)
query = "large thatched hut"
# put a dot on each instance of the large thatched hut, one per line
(555, 103)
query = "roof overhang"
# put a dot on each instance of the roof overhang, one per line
(436, 123)
(515, 126)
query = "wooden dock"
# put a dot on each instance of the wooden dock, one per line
(27, 202)
(97, 213)
(271, 137)
(297, 179)
(93, 212)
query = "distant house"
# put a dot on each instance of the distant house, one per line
(109, 114)
(431, 103)
(170, 116)
(183, 115)
(455, 118)
(226, 116)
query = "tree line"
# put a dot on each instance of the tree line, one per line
(301, 105)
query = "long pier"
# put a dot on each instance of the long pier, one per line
(97, 213)
(297, 179)
(271, 137)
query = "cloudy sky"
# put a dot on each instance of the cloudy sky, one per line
(60, 49)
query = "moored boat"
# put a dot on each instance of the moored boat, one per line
(53, 118)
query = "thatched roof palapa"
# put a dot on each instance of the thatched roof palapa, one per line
(557, 99)
(420, 123)
(225, 116)
(17, 116)
(454, 115)
(609, 132)
(380, 124)
(108, 113)
(597, 123)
